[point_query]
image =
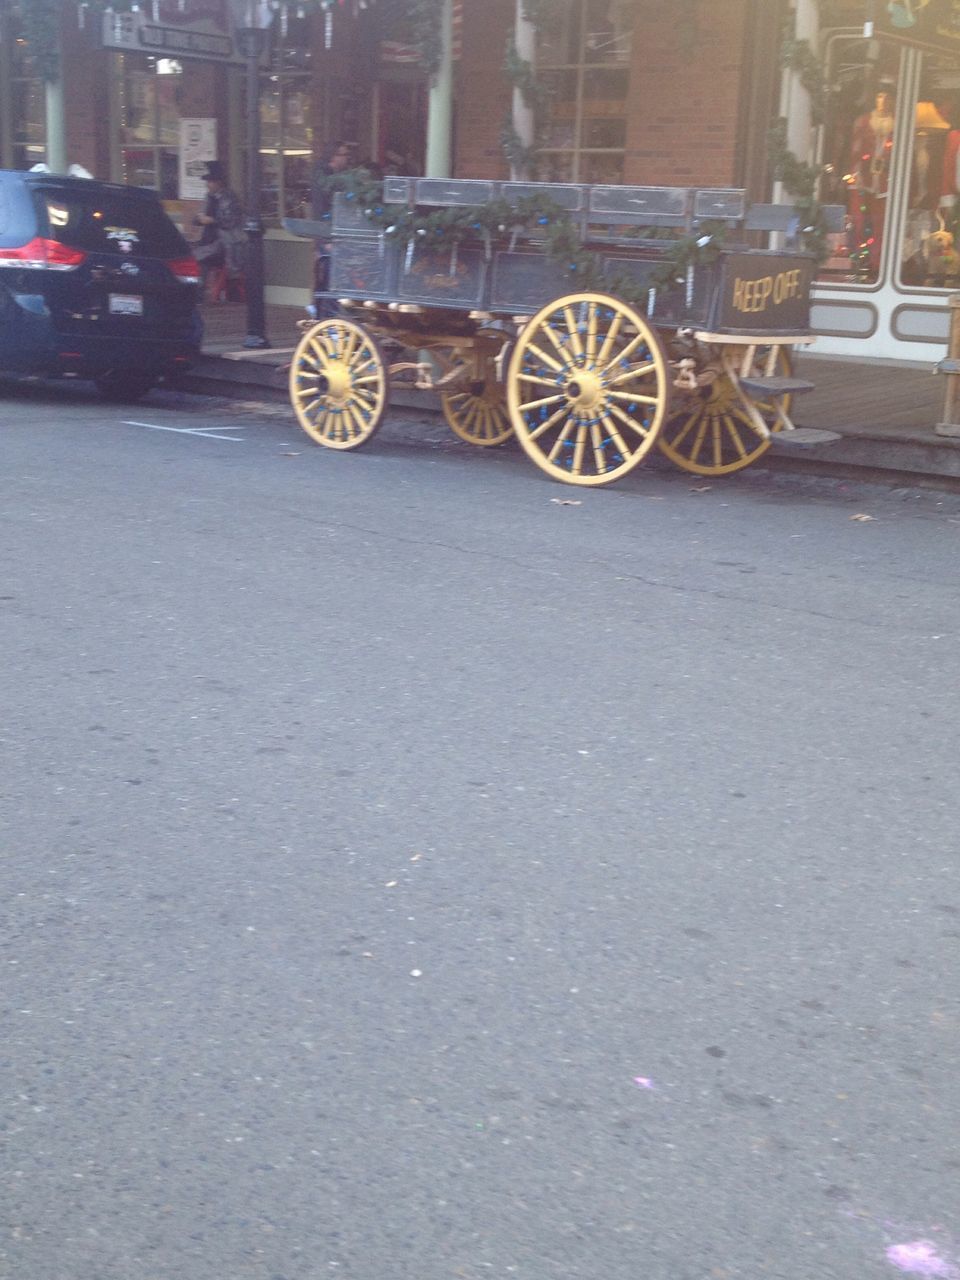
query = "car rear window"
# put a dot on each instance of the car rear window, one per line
(108, 222)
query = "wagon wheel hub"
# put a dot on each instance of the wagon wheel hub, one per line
(337, 383)
(585, 390)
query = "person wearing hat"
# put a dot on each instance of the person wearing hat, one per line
(222, 241)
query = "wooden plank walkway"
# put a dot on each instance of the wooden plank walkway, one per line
(852, 397)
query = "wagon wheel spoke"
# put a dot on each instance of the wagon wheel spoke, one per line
(631, 398)
(716, 414)
(573, 331)
(639, 371)
(587, 432)
(477, 414)
(338, 384)
(547, 360)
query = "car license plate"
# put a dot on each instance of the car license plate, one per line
(126, 304)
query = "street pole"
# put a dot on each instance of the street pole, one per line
(523, 120)
(795, 105)
(256, 338)
(440, 110)
(56, 151)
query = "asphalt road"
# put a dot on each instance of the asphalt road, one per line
(409, 876)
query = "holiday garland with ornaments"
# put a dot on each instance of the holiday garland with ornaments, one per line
(537, 218)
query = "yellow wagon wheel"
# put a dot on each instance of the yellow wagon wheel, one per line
(477, 410)
(338, 384)
(587, 389)
(710, 433)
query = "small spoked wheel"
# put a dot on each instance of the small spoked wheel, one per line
(477, 410)
(338, 384)
(587, 389)
(711, 434)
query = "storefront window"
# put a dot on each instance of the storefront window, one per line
(929, 256)
(584, 58)
(27, 105)
(858, 153)
(150, 122)
(892, 159)
(286, 131)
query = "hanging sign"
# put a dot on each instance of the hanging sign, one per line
(198, 146)
(931, 22)
(195, 29)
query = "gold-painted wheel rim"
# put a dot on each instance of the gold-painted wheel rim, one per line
(477, 411)
(587, 389)
(338, 384)
(712, 435)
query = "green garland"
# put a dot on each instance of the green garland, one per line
(797, 56)
(537, 218)
(801, 180)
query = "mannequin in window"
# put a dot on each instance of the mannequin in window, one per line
(869, 179)
(950, 185)
(926, 185)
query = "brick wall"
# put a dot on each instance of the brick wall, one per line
(483, 92)
(87, 100)
(683, 106)
(684, 102)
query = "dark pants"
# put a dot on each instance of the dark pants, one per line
(326, 308)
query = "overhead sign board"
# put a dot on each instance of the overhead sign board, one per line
(169, 29)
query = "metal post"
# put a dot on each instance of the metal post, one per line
(523, 121)
(256, 315)
(56, 124)
(795, 103)
(440, 115)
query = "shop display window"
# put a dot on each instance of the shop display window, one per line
(29, 122)
(26, 101)
(286, 131)
(584, 61)
(931, 232)
(892, 158)
(150, 122)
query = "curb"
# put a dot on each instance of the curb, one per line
(920, 458)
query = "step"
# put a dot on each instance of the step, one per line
(776, 387)
(804, 437)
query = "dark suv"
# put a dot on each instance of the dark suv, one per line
(95, 282)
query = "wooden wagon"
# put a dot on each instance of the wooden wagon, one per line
(700, 367)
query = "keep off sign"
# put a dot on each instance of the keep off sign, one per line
(764, 292)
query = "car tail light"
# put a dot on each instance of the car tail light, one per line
(41, 253)
(187, 270)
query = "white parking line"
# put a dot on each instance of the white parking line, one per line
(184, 431)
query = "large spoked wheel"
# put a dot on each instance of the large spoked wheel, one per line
(711, 434)
(477, 410)
(587, 389)
(338, 384)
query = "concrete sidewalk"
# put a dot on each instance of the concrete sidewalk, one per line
(885, 415)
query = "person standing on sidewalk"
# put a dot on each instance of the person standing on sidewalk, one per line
(222, 242)
(334, 159)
